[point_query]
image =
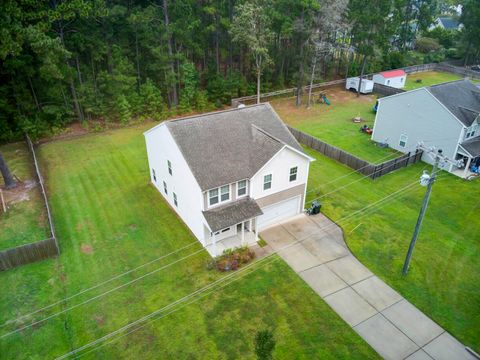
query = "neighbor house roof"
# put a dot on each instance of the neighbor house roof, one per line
(392, 73)
(472, 146)
(227, 146)
(232, 213)
(461, 97)
(449, 23)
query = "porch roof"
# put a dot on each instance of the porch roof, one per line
(233, 213)
(472, 146)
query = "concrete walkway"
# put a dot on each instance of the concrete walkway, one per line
(383, 318)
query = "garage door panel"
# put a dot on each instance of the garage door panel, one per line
(278, 212)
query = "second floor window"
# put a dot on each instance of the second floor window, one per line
(213, 197)
(242, 188)
(219, 195)
(267, 182)
(225, 193)
(293, 173)
(169, 164)
(165, 188)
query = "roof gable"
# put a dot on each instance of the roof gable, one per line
(392, 73)
(227, 146)
(461, 98)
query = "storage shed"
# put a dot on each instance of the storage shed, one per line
(393, 78)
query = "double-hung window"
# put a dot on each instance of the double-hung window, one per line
(403, 140)
(213, 197)
(165, 188)
(241, 188)
(169, 164)
(267, 182)
(154, 175)
(218, 195)
(293, 173)
(175, 199)
(225, 193)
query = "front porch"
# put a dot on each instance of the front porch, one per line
(216, 247)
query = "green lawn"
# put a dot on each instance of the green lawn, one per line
(25, 220)
(429, 78)
(109, 219)
(444, 273)
(333, 124)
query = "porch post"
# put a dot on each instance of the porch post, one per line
(243, 233)
(256, 231)
(214, 244)
(465, 172)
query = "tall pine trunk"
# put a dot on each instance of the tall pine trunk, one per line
(173, 90)
(7, 175)
(364, 62)
(312, 77)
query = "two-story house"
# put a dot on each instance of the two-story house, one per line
(229, 174)
(445, 116)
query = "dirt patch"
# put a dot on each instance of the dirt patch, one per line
(99, 319)
(86, 249)
(19, 193)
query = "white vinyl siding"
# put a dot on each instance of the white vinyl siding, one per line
(267, 182)
(241, 188)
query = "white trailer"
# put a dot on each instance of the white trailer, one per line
(352, 84)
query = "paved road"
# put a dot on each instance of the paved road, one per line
(383, 318)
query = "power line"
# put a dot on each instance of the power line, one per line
(205, 288)
(119, 276)
(99, 296)
(102, 294)
(97, 285)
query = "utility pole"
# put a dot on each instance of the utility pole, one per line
(425, 180)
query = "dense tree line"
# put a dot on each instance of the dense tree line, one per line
(114, 60)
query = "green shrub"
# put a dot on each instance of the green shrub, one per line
(264, 345)
(426, 45)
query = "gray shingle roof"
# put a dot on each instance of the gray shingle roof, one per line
(472, 146)
(227, 146)
(232, 213)
(461, 97)
(449, 23)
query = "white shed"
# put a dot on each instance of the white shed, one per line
(393, 78)
(353, 82)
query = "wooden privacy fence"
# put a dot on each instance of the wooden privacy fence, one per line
(39, 250)
(383, 90)
(28, 253)
(364, 167)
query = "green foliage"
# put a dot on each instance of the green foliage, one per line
(445, 38)
(426, 45)
(264, 345)
(71, 61)
(124, 109)
(151, 98)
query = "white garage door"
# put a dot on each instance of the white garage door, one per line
(277, 212)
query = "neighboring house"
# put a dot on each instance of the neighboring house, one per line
(445, 116)
(393, 78)
(229, 174)
(447, 23)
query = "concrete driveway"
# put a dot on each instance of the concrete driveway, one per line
(314, 248)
